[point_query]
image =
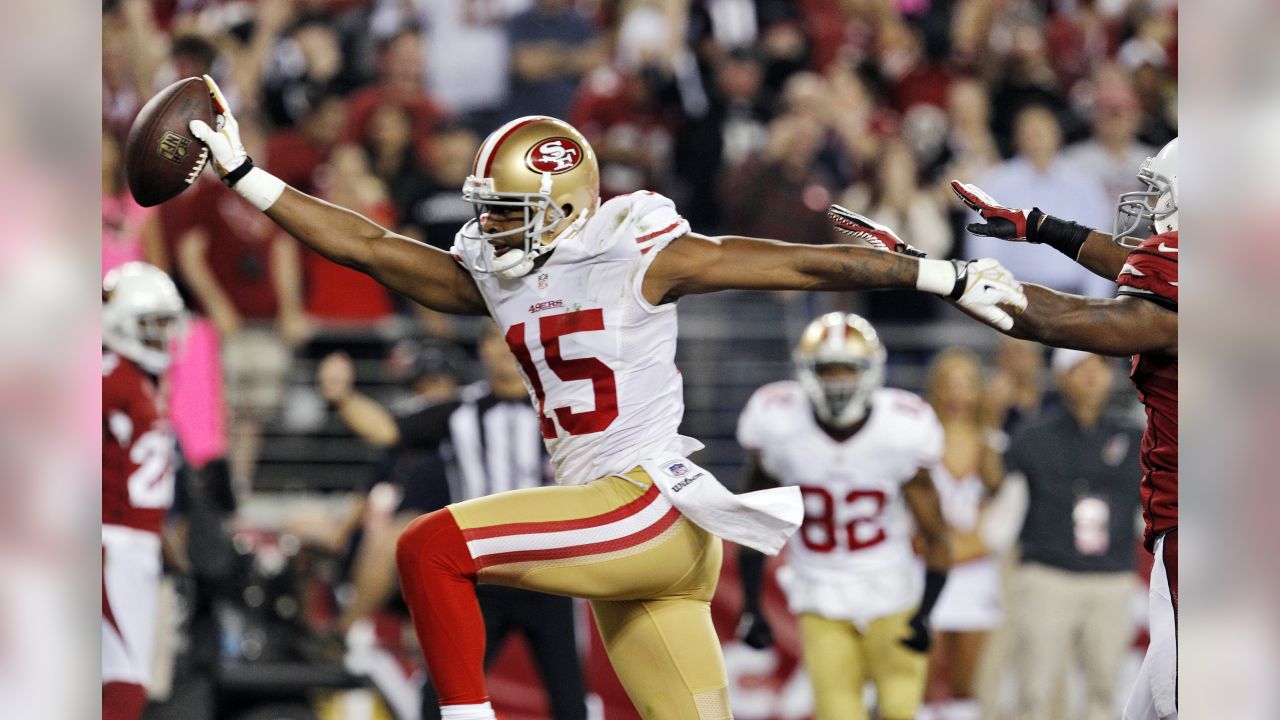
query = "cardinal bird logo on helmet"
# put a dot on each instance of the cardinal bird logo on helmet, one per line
(554, 155)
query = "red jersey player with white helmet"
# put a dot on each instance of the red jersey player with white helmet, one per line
(1142, 322)
(141, 312)
(585, 293)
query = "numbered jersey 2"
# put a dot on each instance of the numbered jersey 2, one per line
(852, 557)
(598, 359)
(137, 448)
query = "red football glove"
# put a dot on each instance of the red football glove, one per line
(873, 233)
(1001, 222)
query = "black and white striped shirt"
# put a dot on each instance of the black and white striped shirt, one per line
(489, 445)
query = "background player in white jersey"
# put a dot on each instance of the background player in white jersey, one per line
(141, 311)
(858, 452)
(585, 294)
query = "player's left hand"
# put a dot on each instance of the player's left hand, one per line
(869, 231)
(921, 638)
(989, 292)
(755, 631)
(224, 143)
(1014, 224)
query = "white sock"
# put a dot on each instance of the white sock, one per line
(962, 710)
(479, 711)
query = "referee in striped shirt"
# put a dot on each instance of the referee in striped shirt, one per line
(491, 442)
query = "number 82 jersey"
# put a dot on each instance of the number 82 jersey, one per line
(852, 557)
(598, 359)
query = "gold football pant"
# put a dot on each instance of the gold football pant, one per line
(840, 659)
(648, 572)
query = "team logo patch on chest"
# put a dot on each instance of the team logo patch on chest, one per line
(554, 155)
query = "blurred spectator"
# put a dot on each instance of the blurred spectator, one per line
(972, 146)
(399, 83)
(461, 34)
(407, 482)
(1028, 80)
(299, 151)
(1077, 580)
(620, 114)
(389, 146)
(1079, 38)
(733, 128)
(971, 605)
(301, 71)
(129, 231)
(335, 292)
(553, 47)
(916, 76)
(894, 198)
(245, 275)
(494, 444)
(1113, 153)
(1016, 383)
(777, 193)
(1040, 177)
(1147, 56)
(435, 210)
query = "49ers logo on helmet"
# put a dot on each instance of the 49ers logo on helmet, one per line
(554, 155)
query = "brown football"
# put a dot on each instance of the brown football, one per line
(162, 157)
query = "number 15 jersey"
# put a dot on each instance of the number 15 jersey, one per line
(852, 557)
(598, 359)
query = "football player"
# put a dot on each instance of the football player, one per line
(585, 293)
(1141, 321)
(858, 452)
(141, 313)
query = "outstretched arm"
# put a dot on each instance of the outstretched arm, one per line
(753, 628)
(420, 272)
(694, 264)
(1107, 326)
(1102, 256)
(922, 497)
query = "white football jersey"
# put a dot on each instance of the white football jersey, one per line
(598, 359)
(852, 557)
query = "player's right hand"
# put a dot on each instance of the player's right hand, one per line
(989, 291)
(1001, 222)
(224, 143)
(755, 631)
(921, 638)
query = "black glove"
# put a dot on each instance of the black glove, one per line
(755, 631)
(921, 637)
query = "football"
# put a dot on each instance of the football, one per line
(162, 157)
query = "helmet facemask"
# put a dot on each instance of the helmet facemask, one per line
(840, 399)
(541, 217)
(1139, 213)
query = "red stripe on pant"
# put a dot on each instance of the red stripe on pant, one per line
(525, 528)
(607, 546)
(437, 578)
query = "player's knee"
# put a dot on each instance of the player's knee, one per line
(430, 541)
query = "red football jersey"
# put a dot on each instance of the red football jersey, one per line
(1151, 273)
(137, 447)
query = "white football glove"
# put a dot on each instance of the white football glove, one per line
(224, 143)
(989, 286)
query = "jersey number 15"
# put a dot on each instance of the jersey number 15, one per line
(550, 329)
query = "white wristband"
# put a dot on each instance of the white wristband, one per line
(936, 276)
(260, 188)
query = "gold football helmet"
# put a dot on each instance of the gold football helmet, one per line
(542, 165)
(839, 362)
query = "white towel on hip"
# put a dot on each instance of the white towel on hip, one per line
(762, 520)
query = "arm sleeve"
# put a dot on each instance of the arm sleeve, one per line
(752, 428)
(426, 428)
(932, 439)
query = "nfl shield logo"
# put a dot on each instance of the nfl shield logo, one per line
(677, 469)
(542, 281)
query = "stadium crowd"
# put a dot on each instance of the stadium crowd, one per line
(753, 115)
